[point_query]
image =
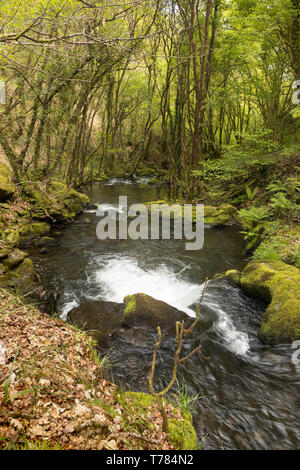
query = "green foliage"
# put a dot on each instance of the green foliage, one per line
(251, 193)
(37, 445)
(185, 399)
(252, 220)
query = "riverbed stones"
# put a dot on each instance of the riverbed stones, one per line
(278, 285)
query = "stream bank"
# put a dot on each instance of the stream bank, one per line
(228, 410)
(244, 375)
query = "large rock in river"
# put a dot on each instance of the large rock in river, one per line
(131, 321)
(143, 310)
(101, 319)
(278, 285)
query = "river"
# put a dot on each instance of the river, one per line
(248, 392)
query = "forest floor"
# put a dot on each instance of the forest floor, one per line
(53, 394)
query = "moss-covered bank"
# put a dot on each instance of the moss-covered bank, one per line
(277, 284)
(28, 213)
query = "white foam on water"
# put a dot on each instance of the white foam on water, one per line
(123, 276)
(105, 208)
(113, 181)
(67, 307)
(236, 341)
(110, 208)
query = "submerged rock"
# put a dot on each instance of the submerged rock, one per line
(7, 187)
(278, 285)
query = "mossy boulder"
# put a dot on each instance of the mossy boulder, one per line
(221, 215)
(20, 278)
(13, 259)
(11, 237)
(34, 229)
(215, 216)
(4, 250)
(57, 202)
(278, 285)
(182, 434)
(75, 201)
(7, 187)
(39, 228)
(233, 276)
(145, 311)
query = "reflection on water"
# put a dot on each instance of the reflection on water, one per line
(249, 392)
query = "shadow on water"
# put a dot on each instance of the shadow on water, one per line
(248, 392)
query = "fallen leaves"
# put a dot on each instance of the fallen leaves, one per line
(67, 401)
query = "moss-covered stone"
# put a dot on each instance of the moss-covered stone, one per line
(7, 187)
(11, 237)
(4, 251)
(181, 434)
(57, 201)
(215, 216)
(34, 229)
(222, 215)
(130, 304)
(13, 259)
(145, 311)
(233, 276)
(278, 285)
(20, 278)
(40, 228)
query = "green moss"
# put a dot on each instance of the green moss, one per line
(154, 181)
(13, 259)
(7, 187)
(37, 445)
(233, 275)
(11, 237)
(280, 243)
(39, 228)
(182, 434)
(57, 201)
(130, 304)
(278, 285)
(4, 251)
(222, 215)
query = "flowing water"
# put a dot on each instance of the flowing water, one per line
(248, 393)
